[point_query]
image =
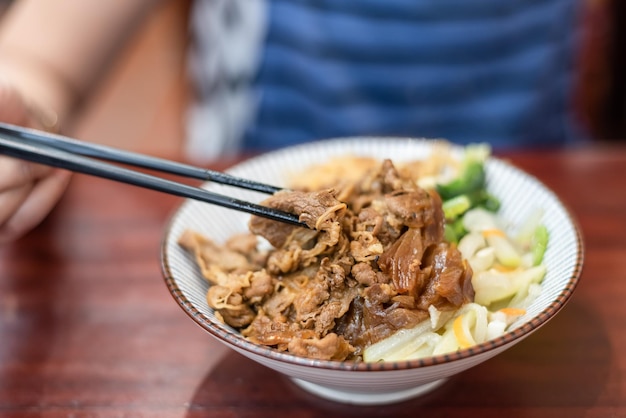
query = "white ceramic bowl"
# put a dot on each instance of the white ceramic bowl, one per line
(371, 383)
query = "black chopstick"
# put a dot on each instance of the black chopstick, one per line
(43, 154)
(103, 152)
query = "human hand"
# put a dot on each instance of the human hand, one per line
(28, 191)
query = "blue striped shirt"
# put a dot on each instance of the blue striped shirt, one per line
(500, 71)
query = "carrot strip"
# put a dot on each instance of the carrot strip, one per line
(459, 333)
(493, 232)
(513, 311)
(504, 269)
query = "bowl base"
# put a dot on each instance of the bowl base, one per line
(367, 398)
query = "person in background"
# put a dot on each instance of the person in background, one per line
(272, 73)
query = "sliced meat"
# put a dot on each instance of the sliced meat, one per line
(450, 282)
(402, 261)
(413, 207)
(331, 347)
(317, 209)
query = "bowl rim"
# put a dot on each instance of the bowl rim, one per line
(232, 337)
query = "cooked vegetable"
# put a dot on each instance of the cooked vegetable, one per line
(456, 206)
(505, 252)
(527, 229)
(404, 344)
(471, 176)
(469, 188)
(454, 230)
(539, 244)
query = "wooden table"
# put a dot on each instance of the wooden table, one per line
(88, 328)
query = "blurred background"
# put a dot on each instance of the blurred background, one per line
(140, 104)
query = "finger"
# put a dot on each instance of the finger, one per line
(16, 173)
(12, 107)
(11, 200)
(42, 198)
